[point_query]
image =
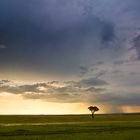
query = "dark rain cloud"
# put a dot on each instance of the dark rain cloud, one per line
(92, 82)
(136, 46)
(117, 99)
(83, 70)
(60, 37)
(27, 22)
(87, 70)
(108, 33)
(35, 38)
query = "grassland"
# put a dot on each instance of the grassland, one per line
(70, 127)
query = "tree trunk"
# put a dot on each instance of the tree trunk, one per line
(92, 115)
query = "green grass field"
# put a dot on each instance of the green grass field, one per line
(70, 127)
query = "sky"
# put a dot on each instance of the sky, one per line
(61, 56)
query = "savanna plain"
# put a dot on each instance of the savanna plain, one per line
(70, 127)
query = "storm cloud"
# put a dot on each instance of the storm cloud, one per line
(85, 50)
(34, 33)
(136, 46)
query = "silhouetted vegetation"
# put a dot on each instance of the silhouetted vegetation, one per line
(93, 109)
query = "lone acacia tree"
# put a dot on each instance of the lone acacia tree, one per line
(93, 109)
